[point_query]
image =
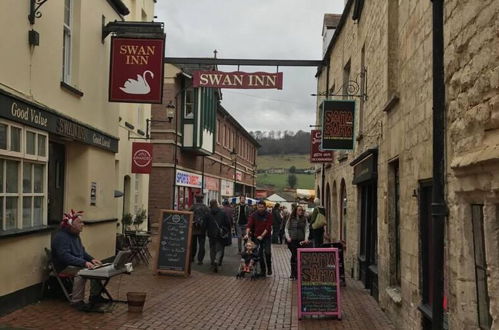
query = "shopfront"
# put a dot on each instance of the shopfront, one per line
(188, 185)
(365, 177)
(211, 189)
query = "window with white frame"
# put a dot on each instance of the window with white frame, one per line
(189, 103)
(66, 47)
(23, 177)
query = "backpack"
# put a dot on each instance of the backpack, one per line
(199, 215)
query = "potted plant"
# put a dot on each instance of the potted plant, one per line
(140, 217)
(127, 221)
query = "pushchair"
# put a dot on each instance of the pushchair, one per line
(249, 260)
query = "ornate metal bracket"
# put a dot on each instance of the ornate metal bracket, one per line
(34, 7)
(353, 88)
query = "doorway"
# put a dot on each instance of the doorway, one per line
(56, 176)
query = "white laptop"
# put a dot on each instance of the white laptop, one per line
(110, 269)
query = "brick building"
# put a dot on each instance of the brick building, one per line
(215, 154)
(378, 196)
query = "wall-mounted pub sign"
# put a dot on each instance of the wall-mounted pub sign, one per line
(317, 155)
(141, 157)
(238, 79)
(136, 73)
(338, 119)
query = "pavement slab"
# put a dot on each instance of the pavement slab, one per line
(205, 300)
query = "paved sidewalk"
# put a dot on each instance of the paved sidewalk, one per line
(206, 300)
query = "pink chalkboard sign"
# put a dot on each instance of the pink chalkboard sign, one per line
(318, 282)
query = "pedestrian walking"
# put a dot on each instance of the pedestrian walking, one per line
(259, 227)
(318, 224)
(199, 229)
(276, 223)
(241, 213)
(284, 216)
(218, 228)
(296, 232)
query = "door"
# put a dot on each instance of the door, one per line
(56, 171)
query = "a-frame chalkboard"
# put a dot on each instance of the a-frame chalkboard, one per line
(174, 243)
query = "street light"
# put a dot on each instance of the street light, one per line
(170, 111)
(233, 156)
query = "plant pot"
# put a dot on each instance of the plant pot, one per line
(136, 301)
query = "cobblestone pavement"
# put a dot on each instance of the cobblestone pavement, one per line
(205, 300)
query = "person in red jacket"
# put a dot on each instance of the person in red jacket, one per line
(260, 228)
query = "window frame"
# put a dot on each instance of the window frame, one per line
(22, 158)
(67, 44)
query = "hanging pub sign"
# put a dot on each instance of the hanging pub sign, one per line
(238, 79)
(136, 73)
(317, 155)
(338, 124)
(141, 157)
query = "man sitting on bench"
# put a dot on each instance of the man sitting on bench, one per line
(69, 257)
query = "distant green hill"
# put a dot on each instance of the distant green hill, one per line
(280, 181)
(283, 161)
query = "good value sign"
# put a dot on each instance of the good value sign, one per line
(141, 157)
(136, 73)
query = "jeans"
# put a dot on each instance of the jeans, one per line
(201, 239)
(240, 231)
(265, 254)
(293, 247)
(217, 248)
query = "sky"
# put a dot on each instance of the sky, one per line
(254, 29)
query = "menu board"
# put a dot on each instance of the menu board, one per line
(318, 278)
(174, 246)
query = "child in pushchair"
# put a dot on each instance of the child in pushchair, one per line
(249, 259)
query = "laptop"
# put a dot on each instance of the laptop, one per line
(108, 270)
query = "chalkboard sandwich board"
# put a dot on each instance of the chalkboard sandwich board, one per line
(318, 278)
(174, 243)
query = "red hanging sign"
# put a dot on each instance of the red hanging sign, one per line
(238, 79)
(136, 73)
(141, 157)
(317, 155)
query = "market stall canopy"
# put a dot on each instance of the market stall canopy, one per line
(249, 201)
(305, 193)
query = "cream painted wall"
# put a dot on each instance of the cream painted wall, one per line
(29, 250)
(85, 165)
(99, 239)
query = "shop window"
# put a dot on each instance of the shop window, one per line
(3, 136)
(484, 318)
(66, 58)
(22, 178)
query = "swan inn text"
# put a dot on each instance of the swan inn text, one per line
(135, 54)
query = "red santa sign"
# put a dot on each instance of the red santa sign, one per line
(141, 157)
(136, 73)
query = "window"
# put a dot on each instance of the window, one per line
(66, 58)
(189, 104)
(23, 187)
(482, 294)
(219, 134)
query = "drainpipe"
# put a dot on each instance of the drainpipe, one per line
(439, 208)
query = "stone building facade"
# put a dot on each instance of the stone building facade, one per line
(378, 195)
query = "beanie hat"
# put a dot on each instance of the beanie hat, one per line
(68, 218)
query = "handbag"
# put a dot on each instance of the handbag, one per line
(222, 233)
(320, 221)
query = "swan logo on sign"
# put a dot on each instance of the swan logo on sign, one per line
(141, 157)
(136, 73)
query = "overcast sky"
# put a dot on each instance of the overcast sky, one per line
(254, 29)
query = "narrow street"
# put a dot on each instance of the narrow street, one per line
(206, 300)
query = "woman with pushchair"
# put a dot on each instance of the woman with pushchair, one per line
(296, 232)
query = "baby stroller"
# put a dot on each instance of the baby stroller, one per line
(249, 260)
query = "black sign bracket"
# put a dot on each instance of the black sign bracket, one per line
(134, 29)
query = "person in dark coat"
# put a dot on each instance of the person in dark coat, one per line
(260, 227)
(218, 229)
(69, 256)
(296, 232)
(199, 229)
(276, 223)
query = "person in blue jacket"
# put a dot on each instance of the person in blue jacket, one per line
(69, 256)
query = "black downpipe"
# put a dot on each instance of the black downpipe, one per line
(439, 207)
(323, 177)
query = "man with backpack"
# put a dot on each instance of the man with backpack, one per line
(318, 224)
(201, 211)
